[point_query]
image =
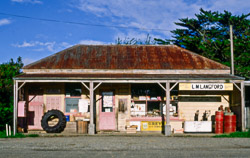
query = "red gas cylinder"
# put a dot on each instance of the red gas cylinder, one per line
(219, 122)
(229, 123)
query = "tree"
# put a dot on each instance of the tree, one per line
(134, 41)
(208, 35)
(7, 72)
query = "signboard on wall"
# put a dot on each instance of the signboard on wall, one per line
(151, 125)
(107, 99)
(206, 86)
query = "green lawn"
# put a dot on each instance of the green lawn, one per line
(235, 135)
(18, 135)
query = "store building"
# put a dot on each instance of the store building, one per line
(155, 88)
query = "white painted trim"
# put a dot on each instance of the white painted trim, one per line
(126, 71)
(127, 81)
(161, 86)
(97, 85)
(237, 86)
(85, 85)
(173, 86)
(21, 85)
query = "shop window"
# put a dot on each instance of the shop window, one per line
(146, 100)
(72, 104)
(73, 93)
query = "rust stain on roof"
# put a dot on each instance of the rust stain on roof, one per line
(125, 57)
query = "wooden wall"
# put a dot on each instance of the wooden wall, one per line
(187, 109)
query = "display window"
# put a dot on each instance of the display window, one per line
(73, 93)
(146, 100)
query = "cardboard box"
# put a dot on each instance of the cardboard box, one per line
(131, 129)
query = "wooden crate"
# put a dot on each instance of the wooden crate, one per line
(82, 127)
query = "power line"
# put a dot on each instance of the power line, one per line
(80, 23)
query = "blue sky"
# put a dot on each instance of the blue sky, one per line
(35, 39)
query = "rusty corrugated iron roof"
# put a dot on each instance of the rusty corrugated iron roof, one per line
(125, 57)
(131, 76)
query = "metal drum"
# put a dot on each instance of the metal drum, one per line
(229, 123)
(219, 122)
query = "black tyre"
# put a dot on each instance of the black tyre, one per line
(50, 115)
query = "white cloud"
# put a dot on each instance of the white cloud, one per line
(28, 1)
(235, 6)
(43, 46)
(92, 42)
(151, 14)
(148, 14)
(24, 44)
(4, 22)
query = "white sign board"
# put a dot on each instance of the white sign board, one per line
(198, 126)
(107, 99)
(206, 86)
(83, 105)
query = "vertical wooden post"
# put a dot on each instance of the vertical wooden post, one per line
(14, 108)
(168, 126)
(167, 103)
(91, 93)
(243, 128)
(16, 88)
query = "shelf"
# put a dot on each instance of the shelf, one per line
(157, 118)
(154, 100)
(147, 100)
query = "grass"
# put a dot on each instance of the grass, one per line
(18, 135)
(235, 135)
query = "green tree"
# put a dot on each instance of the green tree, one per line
(7, 72)
(208, 34)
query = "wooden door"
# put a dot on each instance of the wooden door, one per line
(107, 111)
(35, 111)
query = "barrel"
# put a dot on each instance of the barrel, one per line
(219, 122)
(229, 123)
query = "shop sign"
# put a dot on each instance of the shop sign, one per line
(206, 86)
(151, 125)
